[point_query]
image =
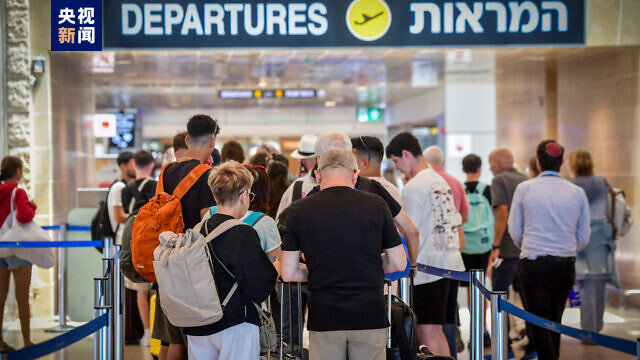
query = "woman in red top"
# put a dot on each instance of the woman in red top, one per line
(10, 175)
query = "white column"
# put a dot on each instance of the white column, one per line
(469, 120)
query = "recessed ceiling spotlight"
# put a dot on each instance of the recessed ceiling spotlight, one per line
(329, 103)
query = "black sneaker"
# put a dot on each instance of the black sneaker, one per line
(487, 340)
(459, 343)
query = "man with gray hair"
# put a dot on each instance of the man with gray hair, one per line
(400, 218)
(343, 264)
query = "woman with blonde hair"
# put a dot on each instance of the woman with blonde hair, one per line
(11, 196)
(595, 264)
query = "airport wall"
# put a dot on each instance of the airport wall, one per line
(591, 100)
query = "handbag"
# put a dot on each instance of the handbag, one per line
(13, 230)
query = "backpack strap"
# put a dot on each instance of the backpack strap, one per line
(136, 192)
(253, 218)
(297, 191)
(481, 187)
(160, 185)
(185, 185)
(219, 230)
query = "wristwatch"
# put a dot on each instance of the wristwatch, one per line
(495, 247)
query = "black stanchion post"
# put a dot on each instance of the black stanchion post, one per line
(62, 269)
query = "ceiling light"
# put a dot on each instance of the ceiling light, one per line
(329, 103)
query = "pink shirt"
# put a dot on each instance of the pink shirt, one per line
(459, 195)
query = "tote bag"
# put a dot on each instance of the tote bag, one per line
(13, 230)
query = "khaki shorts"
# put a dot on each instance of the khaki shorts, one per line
(358, 344)
(144, 286)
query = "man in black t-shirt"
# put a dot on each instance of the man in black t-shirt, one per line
(342, 233)
(134, 196)
(201, 138)
(140, 191)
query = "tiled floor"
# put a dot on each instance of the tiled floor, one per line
(624, 324)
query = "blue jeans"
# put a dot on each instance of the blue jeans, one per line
(293, 305)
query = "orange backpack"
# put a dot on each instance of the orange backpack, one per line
(162, 213)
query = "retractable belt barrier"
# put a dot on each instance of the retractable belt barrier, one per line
(59, 342)
(107, 300)
(618, 344)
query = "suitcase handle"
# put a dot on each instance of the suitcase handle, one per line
(388, 283)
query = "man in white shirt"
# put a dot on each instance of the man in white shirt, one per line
(428, 200)
(549, 221)
(117, 215)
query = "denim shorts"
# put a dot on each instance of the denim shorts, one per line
(13, 262)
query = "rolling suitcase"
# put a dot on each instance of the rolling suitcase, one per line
(290, 351)
(402, 340)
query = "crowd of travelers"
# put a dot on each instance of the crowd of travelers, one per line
(338, 226)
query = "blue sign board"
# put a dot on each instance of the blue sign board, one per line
(76, 25)
(340, 23)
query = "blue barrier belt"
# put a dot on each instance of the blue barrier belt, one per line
(59, 342)
(50, 244)
(51, 227)
(449, 274)
(625, 346)
(78, 228)
(486, 293)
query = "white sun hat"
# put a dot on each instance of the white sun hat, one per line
(306, 147)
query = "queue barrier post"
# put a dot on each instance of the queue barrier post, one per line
(118, 305)
(404, 292)
(62, 270)
(477, 315)
(281, 319)
(108, 337)
(100, 305)
(498, 327)
(299, 320)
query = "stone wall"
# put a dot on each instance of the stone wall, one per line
(18, 84)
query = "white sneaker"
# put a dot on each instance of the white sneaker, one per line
(144, 340)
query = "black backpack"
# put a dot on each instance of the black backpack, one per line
(101, 224)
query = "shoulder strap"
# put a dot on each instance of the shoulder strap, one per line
(253, 218)
(219, 230)
(222, 228)
(480, 187)
(13, 198)
(190, 180)
(160, 185)
(297, 191)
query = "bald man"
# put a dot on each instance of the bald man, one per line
(505, 256)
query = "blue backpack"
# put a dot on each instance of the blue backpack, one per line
(478, 231)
